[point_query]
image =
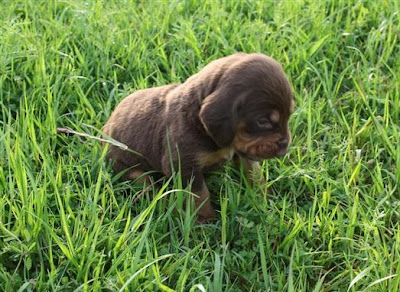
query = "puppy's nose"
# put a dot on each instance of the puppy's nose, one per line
(283, 143)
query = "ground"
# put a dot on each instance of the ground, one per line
(331, 222)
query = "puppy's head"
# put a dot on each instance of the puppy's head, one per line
(249, 108)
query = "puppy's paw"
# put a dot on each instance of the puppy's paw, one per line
(257, 180)
(206, 214)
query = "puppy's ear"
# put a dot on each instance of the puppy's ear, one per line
(218, 114)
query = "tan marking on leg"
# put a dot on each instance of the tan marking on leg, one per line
(252, 171)
(139, 174)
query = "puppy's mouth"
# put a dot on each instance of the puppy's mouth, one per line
(249, 156)
(260, 148)
(262, 152)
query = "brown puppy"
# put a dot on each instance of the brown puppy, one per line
(239, 104)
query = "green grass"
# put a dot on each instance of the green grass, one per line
(332, 221)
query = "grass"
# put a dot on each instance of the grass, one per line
(332, 222)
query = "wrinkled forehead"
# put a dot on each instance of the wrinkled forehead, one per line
(275, 107)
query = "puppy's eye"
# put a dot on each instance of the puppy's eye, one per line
(264, 124)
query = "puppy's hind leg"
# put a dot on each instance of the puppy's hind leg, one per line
(139, 175)
(129, 172)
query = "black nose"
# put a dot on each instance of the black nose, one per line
(283, 143)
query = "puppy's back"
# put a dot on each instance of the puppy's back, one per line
(135, 122)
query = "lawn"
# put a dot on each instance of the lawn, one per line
(331, 221)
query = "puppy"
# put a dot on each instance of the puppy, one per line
(238, 104)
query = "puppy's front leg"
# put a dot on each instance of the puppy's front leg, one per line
(252, 170)
(202, 199)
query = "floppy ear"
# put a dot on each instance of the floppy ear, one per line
(219, 118)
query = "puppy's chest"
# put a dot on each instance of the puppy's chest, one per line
(214, 159)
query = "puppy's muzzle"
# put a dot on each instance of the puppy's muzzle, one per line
(261, 150)
(282, 147)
